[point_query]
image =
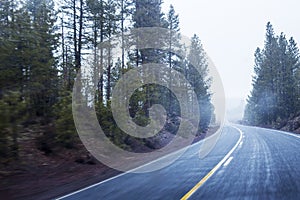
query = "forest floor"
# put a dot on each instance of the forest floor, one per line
(40, 176)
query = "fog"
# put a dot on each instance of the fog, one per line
(230, 32)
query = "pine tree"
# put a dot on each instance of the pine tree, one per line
(42, 74)
(126, 9)
(96, 12)
(294, 63)
(111, 29)
(253, 113)
(148, 13)
(174, 45)
(197, 75)
(75, 11)
(10, 73)
(64, 122)
(13, 21)
(274, 97)
(11, 115)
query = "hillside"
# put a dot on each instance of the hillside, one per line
(292, 125)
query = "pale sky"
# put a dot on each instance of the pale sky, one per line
(231, 30)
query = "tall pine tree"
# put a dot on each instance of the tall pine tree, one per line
(274, 97)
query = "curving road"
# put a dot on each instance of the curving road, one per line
(246, 163)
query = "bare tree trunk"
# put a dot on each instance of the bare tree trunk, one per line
(122, 31)
(75, 34)
(80, 36)
(108, 90)
(101, 70)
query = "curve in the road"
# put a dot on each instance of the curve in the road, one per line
(226, 159)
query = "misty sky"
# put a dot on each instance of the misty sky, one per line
(231, 30)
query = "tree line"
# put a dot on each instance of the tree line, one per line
(275, 96)
(44, 44)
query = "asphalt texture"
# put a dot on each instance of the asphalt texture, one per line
(265, 164)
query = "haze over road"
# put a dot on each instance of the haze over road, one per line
(247, 162)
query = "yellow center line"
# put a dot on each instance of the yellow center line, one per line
(203, 180)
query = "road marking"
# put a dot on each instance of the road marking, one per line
(241, 143)
(228, 161)
(286, 133)
(91, 186)
(203, 180)
(274, 130)
(124, 173)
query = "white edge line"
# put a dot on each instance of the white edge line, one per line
(279, 131)
(124, 173)
(286, 133)
(91, 186)
(228, 161)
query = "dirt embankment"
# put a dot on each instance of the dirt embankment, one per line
(292, 125)
(39, 176)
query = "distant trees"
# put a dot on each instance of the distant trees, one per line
(275, 95)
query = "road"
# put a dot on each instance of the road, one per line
(246, 163)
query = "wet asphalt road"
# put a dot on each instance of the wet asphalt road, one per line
(264, 164)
